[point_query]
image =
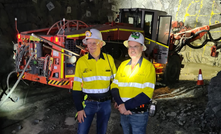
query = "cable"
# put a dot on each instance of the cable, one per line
(25, 82)
(9, 77)
(109, 62)
(15, 85)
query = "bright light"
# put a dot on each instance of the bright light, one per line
(130, 73)
(9, 105)
(56, 39)
(157, 65)
(19, 36)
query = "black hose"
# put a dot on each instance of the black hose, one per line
(218, 47)
(210, 39)
(194, 36)
(197, 47)
(180, 45)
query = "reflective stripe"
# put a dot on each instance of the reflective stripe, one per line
(134, 84)
(112, 76)
(77, 79)
(200, 77)
(94, 78)
(115, 81)
(125, 99)
(104, 90)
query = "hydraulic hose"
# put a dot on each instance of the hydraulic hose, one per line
(8, 88)
(9, 77)
(15, 85)
(205, 42)
(194, 36)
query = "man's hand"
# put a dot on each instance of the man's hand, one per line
(81, 116)
(115, 105)
(122, 108)
(128, 112)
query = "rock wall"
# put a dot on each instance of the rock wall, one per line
(213, 110)
(192, 12)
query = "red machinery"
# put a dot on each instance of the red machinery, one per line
(57, 48)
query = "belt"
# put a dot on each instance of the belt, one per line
(140, 109)
(100, 99)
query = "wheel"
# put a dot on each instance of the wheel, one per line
(172, 70)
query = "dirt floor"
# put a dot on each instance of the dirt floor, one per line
(43, 109)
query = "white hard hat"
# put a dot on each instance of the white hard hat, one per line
(93, 34)
(137, 37)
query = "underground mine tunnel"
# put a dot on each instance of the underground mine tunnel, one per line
(41, 42)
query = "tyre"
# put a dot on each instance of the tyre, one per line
(172, 70)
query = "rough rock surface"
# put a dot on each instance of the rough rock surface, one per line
(212, 118)
(43, 109)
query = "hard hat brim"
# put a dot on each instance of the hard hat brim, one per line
(85, 41)
(126, 45)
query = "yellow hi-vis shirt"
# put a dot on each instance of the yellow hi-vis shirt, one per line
(131, 83)
(95, 75)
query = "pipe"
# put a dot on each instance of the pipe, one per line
(80, 47)
(53, 44)
(56, 50)
(13, 88)
(214, 26)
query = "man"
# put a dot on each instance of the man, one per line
(133, 86)
(94, 72)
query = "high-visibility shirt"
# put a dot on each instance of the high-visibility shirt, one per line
(130, 82)
(95, 75)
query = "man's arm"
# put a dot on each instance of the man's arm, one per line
(77, 96)
(120, 103)
(114, 87)
(77, 91)
(115, 94)
(141, 98)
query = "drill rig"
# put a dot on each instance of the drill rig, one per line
(49, 55)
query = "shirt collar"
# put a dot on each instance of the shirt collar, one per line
(139, 61)
(91, 57)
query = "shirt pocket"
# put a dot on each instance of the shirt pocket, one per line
(107, 72)
(87, 72)
(140, 78)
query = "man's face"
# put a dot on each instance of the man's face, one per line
(134, 49)
(94, 45)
